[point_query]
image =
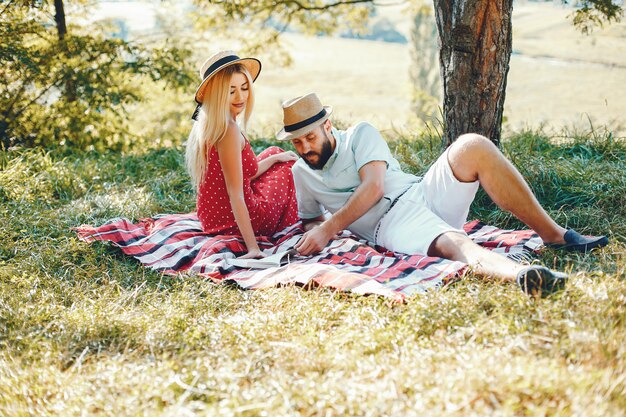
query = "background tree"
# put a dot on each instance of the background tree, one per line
(65, 84)
(475, 44)
(475, 50)
(424, 69)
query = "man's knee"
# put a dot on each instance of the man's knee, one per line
(473, 142)
(449, 245)
(468, 154)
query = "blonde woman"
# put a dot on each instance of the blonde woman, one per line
(239, 193)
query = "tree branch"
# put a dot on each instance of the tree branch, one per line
(326, 6)
(299, 5)
(7, 6)
(44, 91)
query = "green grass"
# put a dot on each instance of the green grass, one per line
(86, 331)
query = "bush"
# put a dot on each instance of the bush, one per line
(74, 90)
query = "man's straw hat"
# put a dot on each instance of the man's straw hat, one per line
(301, 115)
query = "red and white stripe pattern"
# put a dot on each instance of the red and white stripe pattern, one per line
(175, 243)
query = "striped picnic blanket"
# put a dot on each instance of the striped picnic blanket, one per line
(175, 243)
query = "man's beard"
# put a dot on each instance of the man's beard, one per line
(323, 157)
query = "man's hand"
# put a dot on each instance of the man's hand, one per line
(314, 240)
(312, 225)
(366, 195)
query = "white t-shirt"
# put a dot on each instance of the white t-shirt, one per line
(330, 187)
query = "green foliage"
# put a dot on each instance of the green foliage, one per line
(592, 13)
(258, 23)
(75, 92)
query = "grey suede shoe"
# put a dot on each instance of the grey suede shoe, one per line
(539, 281)
(575, 242)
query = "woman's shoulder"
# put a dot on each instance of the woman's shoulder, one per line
(232, 130)
(232, 136)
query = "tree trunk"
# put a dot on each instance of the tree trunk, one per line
(476, 42)
(59, 17)
(5, 142)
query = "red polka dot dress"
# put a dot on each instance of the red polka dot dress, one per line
(270, 198)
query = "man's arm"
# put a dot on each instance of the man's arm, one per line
(308, 224)
(366, 195)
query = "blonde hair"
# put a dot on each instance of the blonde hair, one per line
(213, 120)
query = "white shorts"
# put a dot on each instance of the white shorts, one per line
(438, 204)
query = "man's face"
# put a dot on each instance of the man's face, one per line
(316, 147)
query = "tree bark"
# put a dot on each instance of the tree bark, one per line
(59, 17)
(475, 50)
(5, 142)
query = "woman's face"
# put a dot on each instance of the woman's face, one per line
(239, 92)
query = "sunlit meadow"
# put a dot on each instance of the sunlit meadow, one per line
(86, 331)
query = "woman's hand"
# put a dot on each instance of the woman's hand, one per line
(285, 157)
(268, 162)
(253, 254)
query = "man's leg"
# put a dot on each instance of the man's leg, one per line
(458, 247)
(473, 157)
(535, 279)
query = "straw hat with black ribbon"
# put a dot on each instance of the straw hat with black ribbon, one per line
(218, 62)
(302, 115)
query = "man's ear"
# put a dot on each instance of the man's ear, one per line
(328, 126)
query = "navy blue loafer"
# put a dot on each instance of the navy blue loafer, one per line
(575, 242)
(539, 281)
